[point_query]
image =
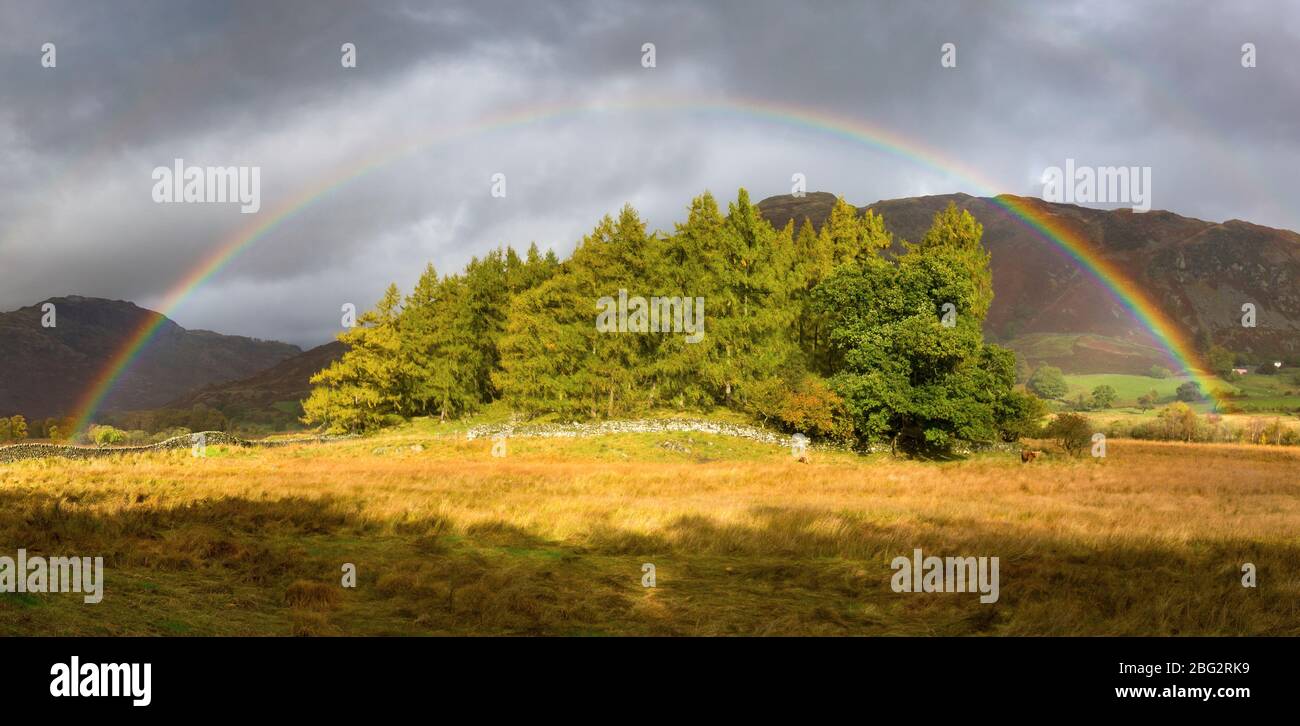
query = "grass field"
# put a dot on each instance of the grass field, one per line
(1256, 393)
(1128, 387)
(1269, 393)
(551, 539)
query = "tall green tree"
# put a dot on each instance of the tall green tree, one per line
(748, 298)
(692, 264)
(909, 374)
(846, 237)
(451, 328)
(553, 359)
(370, 382)
(439, 343)
(958, 231)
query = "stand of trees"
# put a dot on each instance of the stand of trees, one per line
(199, 417)
(815, 332)
(13, 428)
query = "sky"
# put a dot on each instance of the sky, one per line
(135, 86)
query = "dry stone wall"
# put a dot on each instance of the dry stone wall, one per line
(603, 428)
(20, 452)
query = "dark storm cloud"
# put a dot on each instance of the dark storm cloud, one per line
(1155, 84)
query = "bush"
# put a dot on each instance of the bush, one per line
(1119, 430)
(107, 436)
(1262, 431)
(1159, 372)
(1072, 431)
(1177, 422)
(809, 407)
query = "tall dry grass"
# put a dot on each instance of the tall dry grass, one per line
(447, 539)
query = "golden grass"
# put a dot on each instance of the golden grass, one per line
(551, 540)
(311, 595)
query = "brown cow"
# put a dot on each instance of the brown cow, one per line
(1027, 456)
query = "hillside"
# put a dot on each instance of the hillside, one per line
(47, 369)
(271, 396)
(1047, 306)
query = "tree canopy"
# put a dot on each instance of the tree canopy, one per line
(817, 331)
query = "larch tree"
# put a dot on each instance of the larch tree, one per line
(366, 386)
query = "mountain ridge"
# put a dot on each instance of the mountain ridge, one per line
(47, 370)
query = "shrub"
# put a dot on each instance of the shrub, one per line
(1262, 431)
(1119, 430)
(1177, 422)
(107, 436)
(809, 407)
(1072, 431)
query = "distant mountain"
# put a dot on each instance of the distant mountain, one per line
(271, 397)
(1050, 309)
(45, 371)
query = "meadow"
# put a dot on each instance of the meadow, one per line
(552, 538)
(1253, 393)
(1128, 387)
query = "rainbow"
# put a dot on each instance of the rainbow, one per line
(1130, 296)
